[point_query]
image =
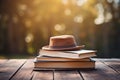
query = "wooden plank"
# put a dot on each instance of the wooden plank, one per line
(8, 69)
(42, 75)
(25, 72)
(106, 59)
(114, 65)
(102, 72)
(67, 75)
(2, 61)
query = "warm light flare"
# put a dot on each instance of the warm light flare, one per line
(67, 12)
(29, 38)
(59, 27)
(65, 2)
(80, 2)
(78, 19)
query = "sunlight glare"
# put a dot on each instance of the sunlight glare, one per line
(108, 17)
(67, 12)
(22, 7)
(99, 20)
(78, 19)
(80, 2)
(65, 2)
(29, 38)
(59, 27)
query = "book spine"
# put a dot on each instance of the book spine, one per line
(65, 65)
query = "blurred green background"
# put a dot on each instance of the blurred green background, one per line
(27, 25)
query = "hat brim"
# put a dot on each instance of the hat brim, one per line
(63, 49)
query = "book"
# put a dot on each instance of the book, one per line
(47, 58)
(79, 54)
(64, 64)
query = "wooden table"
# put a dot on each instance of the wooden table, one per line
(22, 69)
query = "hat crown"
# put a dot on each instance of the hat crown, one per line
(62, 41)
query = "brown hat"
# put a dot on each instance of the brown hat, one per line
(63, 42)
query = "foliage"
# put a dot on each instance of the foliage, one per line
(26, 26)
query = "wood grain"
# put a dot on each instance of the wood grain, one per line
(26, 71)
(22, 69)
(67, 75)
(2, 61)
(114, 65)
(43, 75)
(102, 72)
(8, 69)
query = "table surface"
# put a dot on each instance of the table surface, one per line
(22, 69)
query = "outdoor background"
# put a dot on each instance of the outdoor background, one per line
(27, 25)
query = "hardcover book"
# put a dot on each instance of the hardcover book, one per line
(48, 58)
(79, 54)
(64, 64)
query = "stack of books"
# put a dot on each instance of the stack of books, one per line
(64, 53)
(78, 59)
